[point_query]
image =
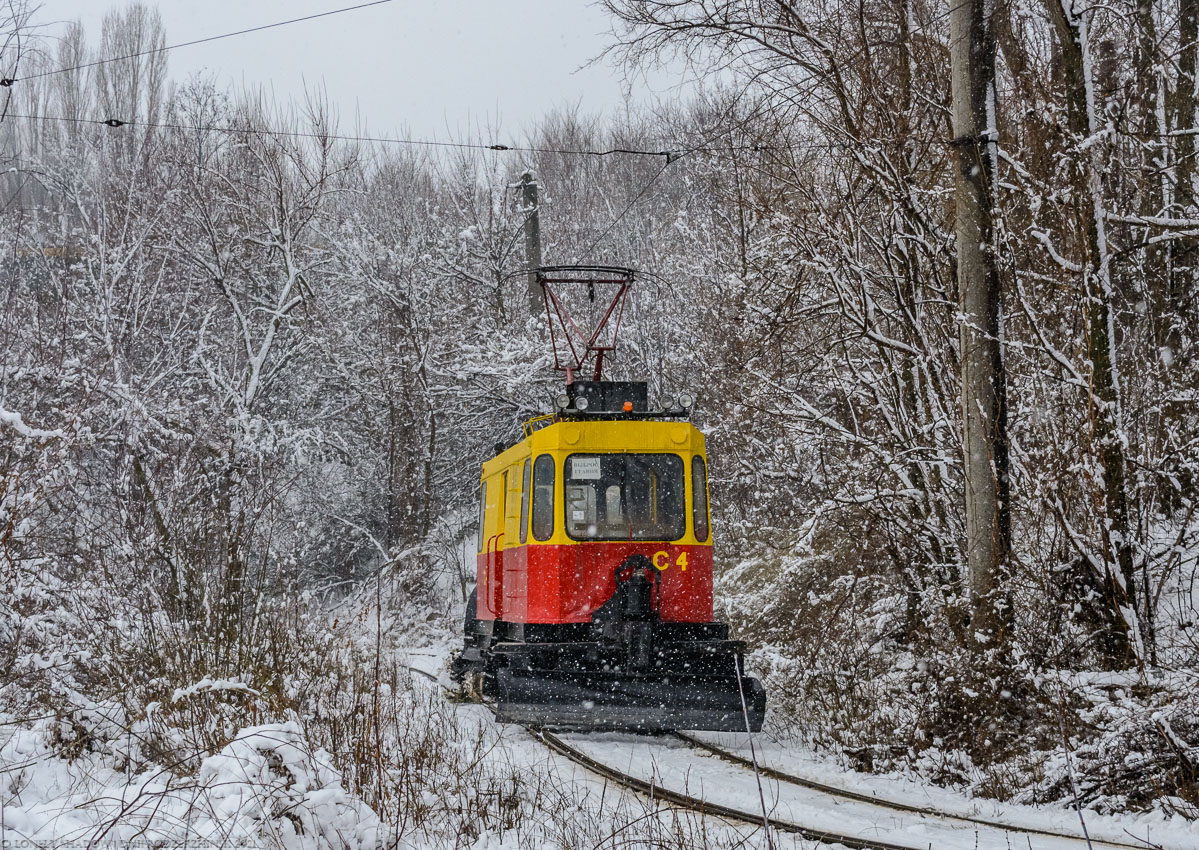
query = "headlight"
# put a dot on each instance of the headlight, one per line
(666, 402)
(581, 403)
(686, 400)
(563, 401)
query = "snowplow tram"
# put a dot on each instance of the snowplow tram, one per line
(593, 604)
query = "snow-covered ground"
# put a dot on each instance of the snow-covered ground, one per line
(70, 782)
(671, 763)
(269, 789)
(675, 765)
(266, 785)
(802, 763)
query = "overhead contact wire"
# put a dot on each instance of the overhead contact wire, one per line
(669, 155)
(155, 50)
(702, 147)
(628, 207)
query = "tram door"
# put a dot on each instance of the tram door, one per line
(495, 559)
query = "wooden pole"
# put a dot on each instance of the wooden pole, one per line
(528, 197)
(984, 403)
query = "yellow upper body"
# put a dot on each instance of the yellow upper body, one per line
(503, 475)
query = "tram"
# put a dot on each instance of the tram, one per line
(593, 603)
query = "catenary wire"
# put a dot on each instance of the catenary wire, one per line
(671, 155)
(152, 51)
(648, 183)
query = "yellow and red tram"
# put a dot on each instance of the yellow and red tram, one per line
(572, 499)
(592, 607)
(593, 604)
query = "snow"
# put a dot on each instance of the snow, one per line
(70, 779)
(208, 684)
(17, 423)
(268, 780)
(803, 763)
(306, 361)
(677, 766)
(267, 787)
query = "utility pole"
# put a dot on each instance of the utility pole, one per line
(984, 392)
(528, 199)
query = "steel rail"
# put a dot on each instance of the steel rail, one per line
(857, 796)
(705, 807)
(694, 804)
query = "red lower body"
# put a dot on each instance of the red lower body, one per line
(540, 583)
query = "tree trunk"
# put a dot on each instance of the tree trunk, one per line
(1121, 643)
(984, 406)
(1186, 248)
(1188, 52)
(1156, 194)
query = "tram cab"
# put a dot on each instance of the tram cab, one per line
(576, 497)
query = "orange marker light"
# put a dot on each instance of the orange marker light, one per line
(628, 407)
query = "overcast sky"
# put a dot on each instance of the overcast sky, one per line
(425, 69)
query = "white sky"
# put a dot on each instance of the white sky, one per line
(427, 69)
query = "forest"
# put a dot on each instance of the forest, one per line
(250, 362)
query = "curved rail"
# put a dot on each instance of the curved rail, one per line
(754, 819)
(704, 807)
(857, 796)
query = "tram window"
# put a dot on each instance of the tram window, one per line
(543, 498)
(612, 503)
(524, 501)
(699, 498)
(482, 513)
(499, 520)
(580, 510)
(624, 497)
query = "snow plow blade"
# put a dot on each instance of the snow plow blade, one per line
(630, 702)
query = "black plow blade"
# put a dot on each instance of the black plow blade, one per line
(629, 702)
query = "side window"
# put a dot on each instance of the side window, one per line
(500, 520)
(524, 501)
(699, 500)
(543, 497)
(482, 513)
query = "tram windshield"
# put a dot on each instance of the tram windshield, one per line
(625, 497)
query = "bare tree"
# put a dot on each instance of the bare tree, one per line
(1118, 576)
(14, 26)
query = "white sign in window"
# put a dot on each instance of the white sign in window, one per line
(585, 468)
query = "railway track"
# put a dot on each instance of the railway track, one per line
(780, 776)
(659, 791)
(702, 806)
